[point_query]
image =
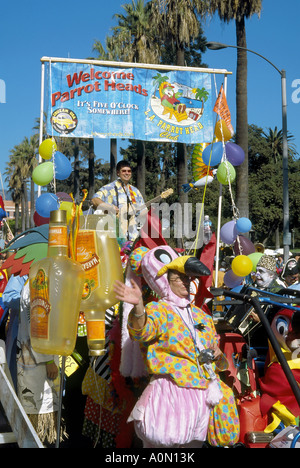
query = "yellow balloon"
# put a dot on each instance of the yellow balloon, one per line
(47, 148)
(67, 206)
(241, 265)
(222, 132)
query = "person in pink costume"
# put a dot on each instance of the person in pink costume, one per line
(180, 347)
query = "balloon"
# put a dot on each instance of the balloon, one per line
(222, 132)
(67, 206)
(234, 153)
(228, 232)
(46, 203)
(243, 225)
(47, 148)
(62, 166)
(231, 280)
(39, 220)
(212, 154)
(254, 257)
(243, 246)
(226, 173)
(43, 173)
(241, 265)
(63, 196)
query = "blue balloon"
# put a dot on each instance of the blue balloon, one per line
(46, 203)
(3, 214)
(243, 225)
(62, 166)
(213, 153)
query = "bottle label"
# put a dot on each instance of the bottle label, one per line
(39, 305)
(90, 261)
(95, 329)
(58, 236)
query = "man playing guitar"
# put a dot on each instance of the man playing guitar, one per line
(122, 199)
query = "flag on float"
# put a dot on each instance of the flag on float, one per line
(221, 108)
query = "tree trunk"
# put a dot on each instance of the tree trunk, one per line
(242, 198)
(32, 188)
(113, 159)
(141, 166)
(16, 218)
(23, 210)
(277, 238)
(181, 159)
(76, 170)
(91, 169)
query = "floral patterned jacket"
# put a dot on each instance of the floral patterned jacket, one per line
(168, 347)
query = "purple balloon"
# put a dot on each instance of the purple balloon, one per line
(228, 232)
(234, 153)
(63, 196)
(243, 246)
(231, 280)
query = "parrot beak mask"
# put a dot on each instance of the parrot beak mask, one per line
(187, 265)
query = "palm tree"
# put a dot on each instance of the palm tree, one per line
(238, 10)
(29, 149)
(177, 25)
(133, 40)
(274, 142)
(17, 175)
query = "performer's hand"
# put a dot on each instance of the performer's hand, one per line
(124, 293)
(217, 351)
(52, 370)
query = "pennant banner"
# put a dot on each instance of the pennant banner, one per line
(91, 101)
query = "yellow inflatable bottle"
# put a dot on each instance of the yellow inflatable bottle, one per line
(98, 252)
(56, 285)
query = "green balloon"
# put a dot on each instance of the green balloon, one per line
(254, 257)
(226, 173)
(43, 173)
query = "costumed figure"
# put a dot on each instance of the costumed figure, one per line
(266, 277)
(290, 274)
(278, 400)
(185, 402)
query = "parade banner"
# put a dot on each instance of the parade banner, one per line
(91, 101)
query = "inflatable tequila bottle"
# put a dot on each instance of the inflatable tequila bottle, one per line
(98, 252)
(56, 285)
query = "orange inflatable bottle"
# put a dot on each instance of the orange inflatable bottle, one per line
(98, 252)
(56, 285)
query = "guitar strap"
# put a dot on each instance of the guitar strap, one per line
(130, 202)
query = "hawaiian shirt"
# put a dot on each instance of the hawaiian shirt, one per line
(127, 198)
(168, 347)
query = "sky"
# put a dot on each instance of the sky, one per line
(37, 28)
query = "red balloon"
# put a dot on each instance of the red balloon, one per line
(39, 220)
(243, 246)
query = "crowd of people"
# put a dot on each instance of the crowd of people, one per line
(185, 399)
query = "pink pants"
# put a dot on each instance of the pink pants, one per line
(167, 415)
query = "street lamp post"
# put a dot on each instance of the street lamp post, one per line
(286, 216)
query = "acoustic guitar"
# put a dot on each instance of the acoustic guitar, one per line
(136, 215)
